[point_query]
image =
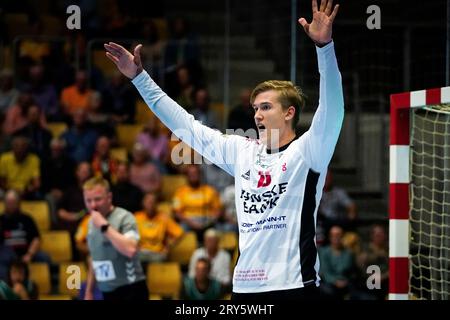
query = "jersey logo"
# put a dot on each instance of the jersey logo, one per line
(264, 179)
(283, 167)
(246, 176)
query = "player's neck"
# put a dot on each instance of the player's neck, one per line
(282, 143)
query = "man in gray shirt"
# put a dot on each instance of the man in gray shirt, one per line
(113, 245)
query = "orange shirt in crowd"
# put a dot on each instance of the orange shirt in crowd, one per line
(73, 100)
(203, 201)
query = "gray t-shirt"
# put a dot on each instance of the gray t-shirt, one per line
(113, 269)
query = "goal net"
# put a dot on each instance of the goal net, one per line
(429, 247)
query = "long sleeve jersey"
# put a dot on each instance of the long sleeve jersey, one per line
(277, 193)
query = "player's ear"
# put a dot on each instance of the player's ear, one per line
(290, 112)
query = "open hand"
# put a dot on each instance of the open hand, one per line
(320, 28)
(129, 64)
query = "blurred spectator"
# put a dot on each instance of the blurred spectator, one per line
(57, 175)
(157, 230)
(197, 206)
(80, 138)
(19, 281)
(220, 259)
(80, 237)
(99, 119)
(336, 267)
(376, 254)
(19, 169)
(336, 207)
(201, 286)
(72, 207)
(32, 50)
(103, 164)
(202, 110)
(152, 50)
(44, 95)
(228, 219)
(8, 94)
(143, 173)
(182, 49)
(214, 176)
(125, 194)
(242, 116)
(19, 231)
(155, 142)
(183, 88)
(6, 293)
(77, 96)
(16, 116)
(120, 99)
(38, 135)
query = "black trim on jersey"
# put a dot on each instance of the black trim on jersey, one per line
(307, 247)
(271, 151)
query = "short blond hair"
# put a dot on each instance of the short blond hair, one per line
(288, 95)
(96, 181)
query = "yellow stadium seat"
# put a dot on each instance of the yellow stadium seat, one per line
(165, 207)
(219, 109)
(57, 128)
(154, 297)
(57, 245)
(143, 112)
(55, 297)
(182, 251)
(38, 210)
(228, 241)
(40, 274)
(127, 133)
(164, 279)
(162, 27)
(120, 154)
(170, 183)
(66, 273)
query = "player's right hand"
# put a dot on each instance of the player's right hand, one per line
(129, 64)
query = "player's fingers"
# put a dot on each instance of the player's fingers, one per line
(112, 50)
(304, 24)
(334, 13)
(314, 6)
(118, 47)
(329, 7)
(137, 54)
(112, 58)
(323, 4)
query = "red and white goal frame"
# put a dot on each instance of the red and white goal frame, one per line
(399, 179)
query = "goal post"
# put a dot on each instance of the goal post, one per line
(404, 219)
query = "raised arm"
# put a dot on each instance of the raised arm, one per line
(321, 138)
(214, 146)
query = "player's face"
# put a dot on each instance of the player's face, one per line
(98, 199)
(270, 118)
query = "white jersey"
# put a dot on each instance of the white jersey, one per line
(277, 193)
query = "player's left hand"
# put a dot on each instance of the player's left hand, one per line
(320, 28)
(98, 219)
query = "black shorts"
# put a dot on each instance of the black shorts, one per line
(310, 292)
(134, 291)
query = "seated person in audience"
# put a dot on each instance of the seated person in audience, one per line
(16, 116)
(101, 121)
(120, 97)
(202, 110)
(43, 94)
(143, 173)
(103, 164)
(77, 96)
(376, 253)
(20, 282)
(6, 293)
(72, 207)
(201, 286)
(57, 175)
(337, 267)
(80, 138)
(80, 238)
(19, 231)
(155, 142)
(157, 230)
(220, 259)
(38, 135)
(197, 206)
(125, 194)
(20, 169)
(242, 116)
(336, 207)
(8, 93)
(31, 49)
